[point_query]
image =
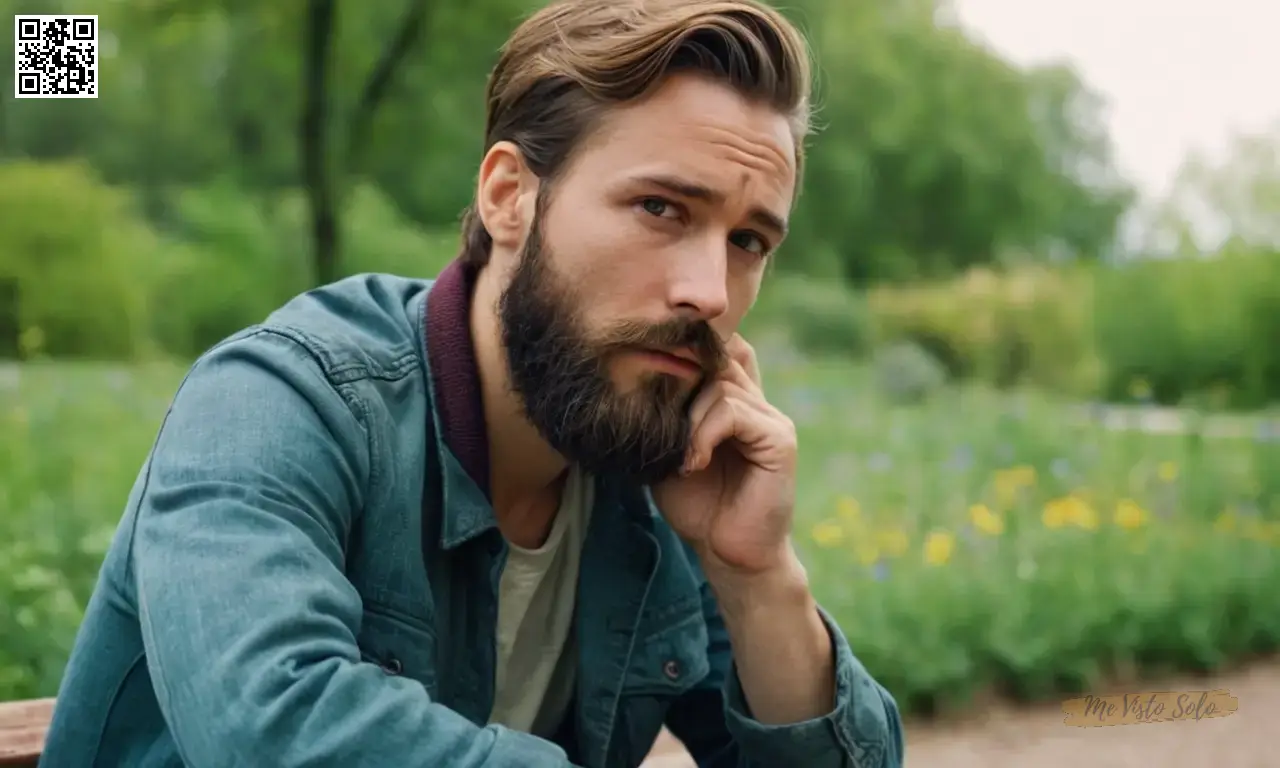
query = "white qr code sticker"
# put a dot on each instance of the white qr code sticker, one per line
(56, 57)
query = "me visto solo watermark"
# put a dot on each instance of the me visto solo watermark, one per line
(1151, 707)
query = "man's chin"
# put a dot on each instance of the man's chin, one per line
(639, 466)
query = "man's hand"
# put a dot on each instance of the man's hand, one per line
(734, 498)
(733, 503)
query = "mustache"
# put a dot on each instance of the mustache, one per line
(695, 335)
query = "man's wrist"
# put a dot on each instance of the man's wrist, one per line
(781, 589)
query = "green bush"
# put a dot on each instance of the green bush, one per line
(820, 316)
(241, 258)
(79, 258)
(1193, 329)
(231, 265)
(1026, 326)
(907, 374)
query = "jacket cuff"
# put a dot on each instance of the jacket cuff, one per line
(863, 730)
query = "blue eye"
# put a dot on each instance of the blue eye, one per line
(656, 206)
(750, 242)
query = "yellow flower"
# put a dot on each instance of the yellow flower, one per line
(848, 509)
(1168, 471)
(1070, 509)
(938, 547)
(1054, 515)
(894, 541)
(1010, 481)
(828, 534)
(1226, 522)
(1084, 515)
(985, 520)
(1129, 514)
(1256, 530)
(867, 552)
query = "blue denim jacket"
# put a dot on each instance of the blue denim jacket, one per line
(306, 575)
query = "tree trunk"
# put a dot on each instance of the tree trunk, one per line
(314, 140)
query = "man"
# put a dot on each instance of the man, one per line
(523, 515)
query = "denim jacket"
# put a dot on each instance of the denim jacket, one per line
(306, 575)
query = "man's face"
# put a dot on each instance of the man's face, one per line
(638, 267)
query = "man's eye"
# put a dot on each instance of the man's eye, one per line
(656, 206)
(750, 242)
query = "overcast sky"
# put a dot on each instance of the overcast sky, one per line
(1177, 74)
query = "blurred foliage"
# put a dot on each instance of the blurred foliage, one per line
(934, 154)
(82, 289)
(1193, 331)
(1196, 332)
(1025, 325)
(907, 374)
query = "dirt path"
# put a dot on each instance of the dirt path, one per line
(1036, 736)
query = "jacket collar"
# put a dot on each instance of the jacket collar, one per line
(462, 440)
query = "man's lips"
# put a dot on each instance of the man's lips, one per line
(682, 360)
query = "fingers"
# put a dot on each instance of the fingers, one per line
(728, 411)
(742, 353)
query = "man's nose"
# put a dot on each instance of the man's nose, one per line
(698, 283)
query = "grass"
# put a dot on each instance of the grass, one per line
(989, 543)
(980, 542)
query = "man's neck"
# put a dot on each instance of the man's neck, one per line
(525, 473)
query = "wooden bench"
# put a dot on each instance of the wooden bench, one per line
(23, 725)
(22, 728)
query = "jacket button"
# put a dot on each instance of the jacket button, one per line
(671, 668)
(393, 666)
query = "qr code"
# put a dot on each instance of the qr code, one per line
(56, 57)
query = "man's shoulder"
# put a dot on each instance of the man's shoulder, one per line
(366, 325)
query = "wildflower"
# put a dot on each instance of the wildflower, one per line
(828, 534)
(894, 541)
(1010, 481)
(1071, 509)
(1083, 515)
(1054, 514)
(880, 571)
(867, 552)
(938, 547)
(848, 509)
(1226, 522)
(961, 459)
(1168, 471)
(1129, 514)
(1255, 529)
(985, 520)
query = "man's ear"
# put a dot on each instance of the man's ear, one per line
(505, 195)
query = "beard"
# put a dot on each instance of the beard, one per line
(558, 373)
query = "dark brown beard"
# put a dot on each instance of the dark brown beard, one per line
(557, 371)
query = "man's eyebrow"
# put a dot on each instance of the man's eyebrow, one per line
(694, 191)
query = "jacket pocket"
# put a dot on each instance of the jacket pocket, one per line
(399, 644)
(668, 661)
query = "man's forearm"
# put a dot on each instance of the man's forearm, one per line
(781, 647)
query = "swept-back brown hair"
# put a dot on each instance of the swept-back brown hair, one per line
(567, 64)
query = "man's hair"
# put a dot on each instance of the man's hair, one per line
(566, 65)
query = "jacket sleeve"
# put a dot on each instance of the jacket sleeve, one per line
(248, 621)
(864, 730)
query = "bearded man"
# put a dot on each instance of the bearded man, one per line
(528, 513)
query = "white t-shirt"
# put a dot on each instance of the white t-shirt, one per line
(537, 598)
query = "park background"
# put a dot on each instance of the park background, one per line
(1035, 393)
